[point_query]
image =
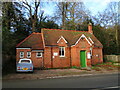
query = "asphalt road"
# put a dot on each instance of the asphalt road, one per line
(94, 81)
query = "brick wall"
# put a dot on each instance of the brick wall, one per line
(72, 54)
(21, 50)
(47, 57)
(97, 56)
(75, 52)
(55, 61)
(61, 61)
(51, 58)
(37, 61)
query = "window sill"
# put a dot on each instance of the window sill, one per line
(21, 57)
(62, 56)
(38, 57)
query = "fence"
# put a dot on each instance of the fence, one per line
(115, 58)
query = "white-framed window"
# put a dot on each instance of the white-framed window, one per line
(21, 54)
(28, 54)
(39, 54)
(62, 51)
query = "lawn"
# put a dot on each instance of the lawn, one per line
(109, 65)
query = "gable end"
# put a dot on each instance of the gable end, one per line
(62, 38)
(82, 36)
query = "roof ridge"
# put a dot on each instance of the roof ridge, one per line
(64, 30)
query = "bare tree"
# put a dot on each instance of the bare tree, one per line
(109, 19)
(33, 12)
(71, 14)
(108, 16)
(77, 14)
(61, 13)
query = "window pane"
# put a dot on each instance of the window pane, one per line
(62, 48)
(21, 54)
(25, 61)
(39, 54)
(28, 54)
(61, 51)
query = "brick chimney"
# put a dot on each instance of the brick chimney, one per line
(90, 28)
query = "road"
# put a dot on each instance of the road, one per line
(93, 81)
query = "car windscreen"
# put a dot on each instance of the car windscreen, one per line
(25, 61)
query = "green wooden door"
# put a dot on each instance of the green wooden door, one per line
(83, 58)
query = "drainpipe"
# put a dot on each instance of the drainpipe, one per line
(51, 57)
(91, 50)
(91, 54)
(43, 60)
(70, 57)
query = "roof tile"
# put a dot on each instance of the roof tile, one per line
(33, 41)
(51, 36)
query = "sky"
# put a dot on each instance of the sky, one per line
(94, 6)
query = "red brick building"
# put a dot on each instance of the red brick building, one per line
(54, 48)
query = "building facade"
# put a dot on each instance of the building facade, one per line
(55, 48)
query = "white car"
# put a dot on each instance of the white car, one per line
(24, 65)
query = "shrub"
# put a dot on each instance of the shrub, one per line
(74, 67)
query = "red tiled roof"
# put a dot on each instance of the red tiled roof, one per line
(34, 41)
(51, 36)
